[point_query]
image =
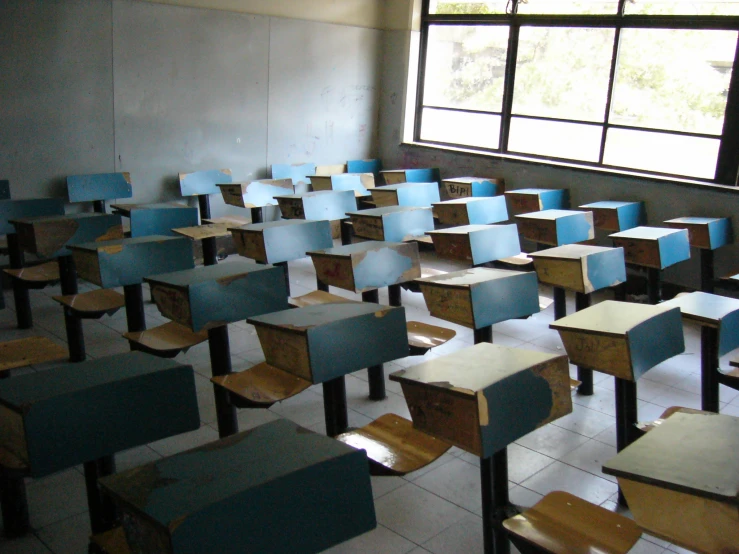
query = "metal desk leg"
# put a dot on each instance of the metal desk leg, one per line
(707, 270)
(376, 373)
(14, 505)
(709, 369)
(210, 251)
(334, 406)
(393, 293)
(73, 324)
(560, 302)
(20, 292)
(653, 285)
(585, 376)
(495, 503)
(484, 334)
(626, 418)
(102, 510)
(220, 364)
(135, 315)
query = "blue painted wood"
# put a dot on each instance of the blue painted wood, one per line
(4, 189)
(48, 236)
(465, 187)
(83, 411)
(420, 175)
(256, 194)
(299, 173)
(392, 223)
(557, 227)
(117, 263)
(627, 214)
(367, 265)
(482, 296)
(510, 392)
(419, 195)
(349, 181)
(326, 204)
(709, 233)
(535, 199)
(282, 241)
(210, 296)
(472, 211)
(713, 310)
(99, 186)
(275, 488)
(339, 338)
(580, 267)
(160, 219)
(18, 209)
(643, 244)
(203, 182)
(477, 244)
(364, 166)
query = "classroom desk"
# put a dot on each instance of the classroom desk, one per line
(126, 262)
(467, 187)
(210, 297)
(534, 200)
(472, 210)
(207, 235)
(477, 244)
(324, 342)
(156, 219)
(682, 481)
(83, 413)
(276, 488)
(99, 187)
(482, 399)
(50, 237)
(417, 195)
(392, 223)
(255, 195)
(615, 216)
(360, 183)
(718, 317)
(202, 184)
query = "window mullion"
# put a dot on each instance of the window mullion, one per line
(510, 79)
(421, 80)
(609, 94)
(727, 165)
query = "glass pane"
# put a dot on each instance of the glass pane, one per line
(563, 72)
(587, 7)
(675, 154)
(555, 139)
(673, 79)
(467, 7)
(465, 67)
(682, 7)
(469, 129)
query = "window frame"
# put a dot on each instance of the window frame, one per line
(727, 165)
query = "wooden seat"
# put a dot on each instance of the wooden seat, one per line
(110, 542)
(422, 337)
(93, 304)
(393, 446)
(30, 351)
(260, 386)
(649, 425)
(520, 262)
(412, 286)
(574, 383)
(561, 523)
(37, 276)
(166, 341)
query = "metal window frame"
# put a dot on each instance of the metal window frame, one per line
(727, 165)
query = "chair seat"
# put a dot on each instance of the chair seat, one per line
(166, 341)
(393, 446)
(317, 297)
(93, 304)
(413, 286)
(519, 261)
(110, 542)
(261, 386)
(649, 425)
(11, 465)
(37, 276)
(561, 523)
(30, 351)
(574, 383)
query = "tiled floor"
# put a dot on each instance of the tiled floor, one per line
(436, 509)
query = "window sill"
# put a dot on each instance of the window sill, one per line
(581, 168)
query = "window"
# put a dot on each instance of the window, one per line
(640, 85)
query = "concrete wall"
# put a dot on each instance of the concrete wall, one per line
(664, 199)
(119, 85)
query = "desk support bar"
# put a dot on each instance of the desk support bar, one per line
(483, 335)
(320, 285)
(210, 251)
(346, 232)
(72, 323)
(220, 364)
(560, 302)
(204, 204)
(626, 419)
(20, 292)
(393, 294)
(135, 315)
(585, 376)
(98, 206)
(257, 215)
(14, 503)
(334, 406)
(495, 503)
(707, 270)
(376, 373)
(709, 369)
(653, 285)
(102, 511)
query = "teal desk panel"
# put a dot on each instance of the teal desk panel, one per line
(472, 210)
(277, 488)
(99, 186)
(79, 412)
(326, 204)
(4, 189)
(325, 341)
(708, 233)
(617, 216)
(48, 236)
(534, 200)
(420, 175)
(349, 181)
(477, 244)
(580, 268)
(556, 227)
(655, 247)
(214, 295)
(418, 195)
(203, 182)
(297, 172)
(18, 209)
(466, 187)
(160, 219)
(117, 263)
(392, 223)
(255, 194)
(364, 166)
(282, 241)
